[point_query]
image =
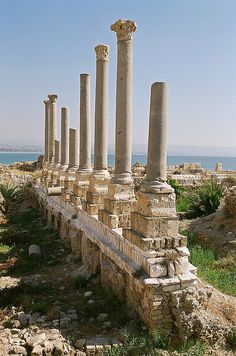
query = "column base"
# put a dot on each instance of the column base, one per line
(154, 229)
(118, 206)
(81, 184)
(98, 189)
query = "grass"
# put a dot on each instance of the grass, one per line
(215, 269)
(22, 230)
(137, 345)
(40, 307)
(193, 348)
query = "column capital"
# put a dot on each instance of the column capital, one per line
(102, 52)
(124, 29)
(52, 98)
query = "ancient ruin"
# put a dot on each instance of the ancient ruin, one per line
(131, 239)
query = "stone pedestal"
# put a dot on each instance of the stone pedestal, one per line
(118, 204)
(97, 190)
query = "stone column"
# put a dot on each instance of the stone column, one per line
(85, 135)
(46, 137)
(53, 130)
(120, 200)
(123, 146)
(98, 181)
(82, 175)
(67, 191)
(64, 145)
(154, 222)
(46, 144)
(157, 139)
(52, 137)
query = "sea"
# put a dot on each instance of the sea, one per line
(207, 162)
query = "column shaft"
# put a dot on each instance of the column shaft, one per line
(57, 151)
(101, 109)
(64, 137)
(52, 131)
(73, 148)
(85, 139)
(157, 140)
(123, 144)
(46, 137)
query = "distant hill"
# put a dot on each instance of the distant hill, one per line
(19, 148)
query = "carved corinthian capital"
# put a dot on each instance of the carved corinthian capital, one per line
(102, 52)
(46, 102)
(124, 29)
(52, 98)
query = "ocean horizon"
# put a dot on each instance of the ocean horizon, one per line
(207, 162)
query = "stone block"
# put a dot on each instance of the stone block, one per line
(162, 204)
(108, 219)
(142, 242)
(154, 226)
(94, 198)
(75, 200)
(157, 269)
(119, 207)
(120, 191)
(92, 209)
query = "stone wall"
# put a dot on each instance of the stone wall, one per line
(124, 267)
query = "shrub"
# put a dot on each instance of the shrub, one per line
(176, 186)
(10, 193)
(231, 339)
(206, 199)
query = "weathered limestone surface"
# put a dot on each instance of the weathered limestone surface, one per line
(120, 200)
(99, 179)
(64, 146)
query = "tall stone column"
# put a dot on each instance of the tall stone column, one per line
(157, 140)
(154, 222)
(98, 180)
(120, 200)
(46, 144)
(52, 137)
(46, 136)
(85, 134)
(84, 170)
(73, 164)
(64, 145)
(53, 129)
(123, 145)
(56, 164)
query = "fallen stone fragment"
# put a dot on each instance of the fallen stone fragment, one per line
(34, 251)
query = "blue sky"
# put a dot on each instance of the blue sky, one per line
(46, 44)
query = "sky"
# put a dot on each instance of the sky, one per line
(46, 44)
